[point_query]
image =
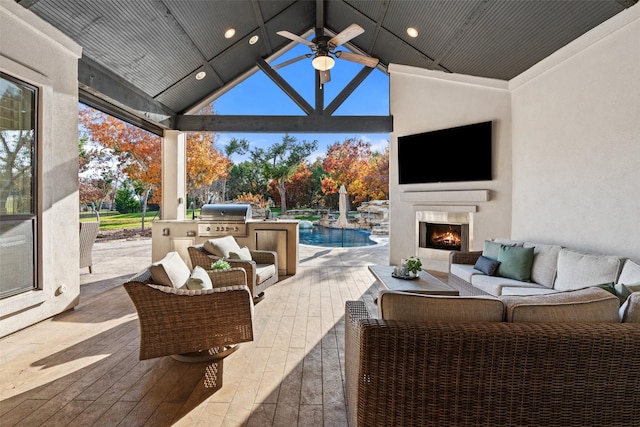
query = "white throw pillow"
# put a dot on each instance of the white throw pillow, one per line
(577, 270)
(199, 279)
(630, 273)
(170, 271)
(221, 246)
(241, 254)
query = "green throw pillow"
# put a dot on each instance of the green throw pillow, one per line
(609, 287)
(623, 291)
(491, 249)
(515, 262)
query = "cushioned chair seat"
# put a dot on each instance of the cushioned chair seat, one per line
(257, 283)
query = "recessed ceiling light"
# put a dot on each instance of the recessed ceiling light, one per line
(201, 75)
(412, 32)
(254, 39)
(229, 33)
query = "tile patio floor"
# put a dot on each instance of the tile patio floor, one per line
(81, 367)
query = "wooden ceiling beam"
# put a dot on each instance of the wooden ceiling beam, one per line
(282, 124)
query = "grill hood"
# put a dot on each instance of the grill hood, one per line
(226, 212)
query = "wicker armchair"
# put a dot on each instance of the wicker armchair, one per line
(490, 374)
(193, 325)
(88, 234)
(257, 281)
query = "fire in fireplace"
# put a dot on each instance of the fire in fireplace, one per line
(448, 237)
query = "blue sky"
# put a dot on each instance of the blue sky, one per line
(258, 95)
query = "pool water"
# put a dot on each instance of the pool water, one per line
(335, 237)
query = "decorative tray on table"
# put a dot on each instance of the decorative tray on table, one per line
(397, 276)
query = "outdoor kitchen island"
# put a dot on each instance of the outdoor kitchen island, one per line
(280, 236)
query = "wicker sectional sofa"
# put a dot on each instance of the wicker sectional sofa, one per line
(431, 360)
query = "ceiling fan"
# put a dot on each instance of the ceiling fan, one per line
(323, 51)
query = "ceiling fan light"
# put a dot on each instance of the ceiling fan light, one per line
(323, 62)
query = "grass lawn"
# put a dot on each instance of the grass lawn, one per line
(110, 220)
(113, 220)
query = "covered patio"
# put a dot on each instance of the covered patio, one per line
(81, 367)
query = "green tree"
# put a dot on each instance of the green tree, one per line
(281, 160)
(126, 201)
(245, 178)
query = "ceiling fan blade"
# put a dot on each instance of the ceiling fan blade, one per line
(291, 61)
(360, 59)
(325, 76)
(295, 38)
(347, 34)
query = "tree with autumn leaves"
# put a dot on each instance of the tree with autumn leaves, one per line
(117, 152)
(137, 154)
(365, 174)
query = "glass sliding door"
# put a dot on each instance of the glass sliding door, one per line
(18, 219)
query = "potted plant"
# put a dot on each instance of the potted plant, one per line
(220, 265)
(414, 265)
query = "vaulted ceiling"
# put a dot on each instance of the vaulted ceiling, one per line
(141, 57)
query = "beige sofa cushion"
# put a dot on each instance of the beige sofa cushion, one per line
(545, 263)
(592, 305)
(577, 270)
(463, 271)
(408, 307)
(630, 310)
(494, 284)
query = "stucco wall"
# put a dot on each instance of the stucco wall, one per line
(34, 52)
(576, 143)
(423, 100)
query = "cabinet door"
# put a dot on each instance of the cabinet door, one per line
(274, 240)
(180, 245)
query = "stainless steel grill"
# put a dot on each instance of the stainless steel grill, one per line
(224, 219)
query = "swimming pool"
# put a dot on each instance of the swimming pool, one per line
(335, 237)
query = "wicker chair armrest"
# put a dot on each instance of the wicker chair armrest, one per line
(200, 257)
(264, 257)
(464, 257)
(223, 278)
(355, 312)
(175, 321)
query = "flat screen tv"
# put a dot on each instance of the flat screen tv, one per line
(456, 154)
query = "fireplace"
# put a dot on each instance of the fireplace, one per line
(440, 231)
(443, 236)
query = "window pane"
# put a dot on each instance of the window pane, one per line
(16, 257)
(18, 117)
(17, 143)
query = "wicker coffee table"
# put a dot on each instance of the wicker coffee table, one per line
(425, 283)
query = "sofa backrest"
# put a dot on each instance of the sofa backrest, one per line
(588, 305)
(577, 270)
(407, 307)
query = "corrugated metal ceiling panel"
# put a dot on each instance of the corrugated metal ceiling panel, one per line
(206, 22)
(512, 36)
(117, 35)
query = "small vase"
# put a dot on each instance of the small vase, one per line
(412, 274)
